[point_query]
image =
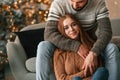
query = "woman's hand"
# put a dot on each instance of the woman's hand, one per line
(90, 63)
(83, 51)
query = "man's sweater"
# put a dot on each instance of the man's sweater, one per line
(93, 17)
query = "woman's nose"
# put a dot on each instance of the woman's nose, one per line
(71, 28)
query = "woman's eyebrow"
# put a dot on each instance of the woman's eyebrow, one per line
(65, 26)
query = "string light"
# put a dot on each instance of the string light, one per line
(38, 1)
(19, 1)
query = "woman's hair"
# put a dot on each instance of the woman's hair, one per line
(84, 37)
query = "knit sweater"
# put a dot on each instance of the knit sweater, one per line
(68, 65)
(93, 17)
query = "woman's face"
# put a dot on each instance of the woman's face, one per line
(71, 28)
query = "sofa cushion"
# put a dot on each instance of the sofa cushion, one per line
(116, 40)
(31, 64)
(30, 39)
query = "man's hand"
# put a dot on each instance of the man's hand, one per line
(90, 63)
(83, 51)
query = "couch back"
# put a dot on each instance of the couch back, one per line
(115, 23)
(34, 26)
(30, 27)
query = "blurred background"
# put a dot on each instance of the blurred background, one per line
(114, 8)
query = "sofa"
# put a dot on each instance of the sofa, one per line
(22, 66)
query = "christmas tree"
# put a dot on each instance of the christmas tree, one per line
(16, 14)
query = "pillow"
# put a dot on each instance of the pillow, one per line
(30, 39)
(31, 64)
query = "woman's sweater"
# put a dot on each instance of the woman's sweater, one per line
(68, 64)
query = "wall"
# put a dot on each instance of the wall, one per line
(114, 8)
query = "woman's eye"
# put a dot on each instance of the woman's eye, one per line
(74, 24)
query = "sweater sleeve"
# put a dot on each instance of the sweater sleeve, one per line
(53, 35)
(104, 35)
(104, 28)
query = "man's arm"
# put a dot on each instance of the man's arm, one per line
(103, 38)
(104, 28)
(51, 30)
(53, 35)
(104, 35)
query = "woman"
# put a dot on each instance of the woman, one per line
(68, 64)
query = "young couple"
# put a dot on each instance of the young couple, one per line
(68, 65)
(88, 50)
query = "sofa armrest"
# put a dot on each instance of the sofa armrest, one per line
(17, 58)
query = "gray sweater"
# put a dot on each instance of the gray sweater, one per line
(93, 17)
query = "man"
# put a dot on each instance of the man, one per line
(94, 17)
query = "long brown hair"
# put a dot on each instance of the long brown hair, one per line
(84, 37)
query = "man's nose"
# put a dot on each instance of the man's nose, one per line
(76, 4)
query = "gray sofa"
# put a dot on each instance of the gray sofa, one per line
(24, 68)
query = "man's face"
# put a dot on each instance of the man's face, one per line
(78, 4)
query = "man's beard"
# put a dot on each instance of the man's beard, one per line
(77, 9)
(80, 8)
